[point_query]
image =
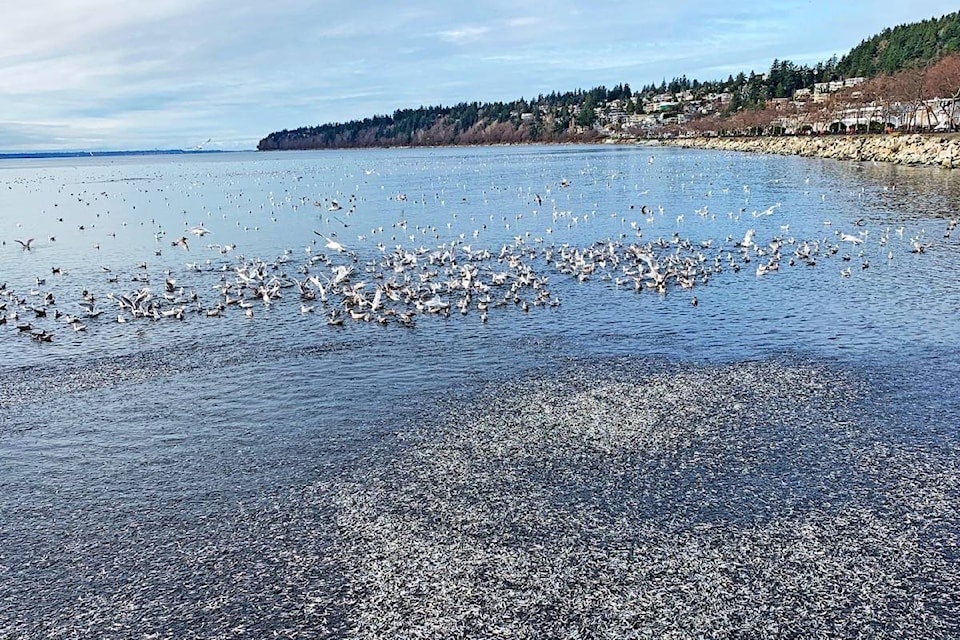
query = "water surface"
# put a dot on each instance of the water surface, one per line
(144, 464)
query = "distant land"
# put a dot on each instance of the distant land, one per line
(103, 154)
(889, 78)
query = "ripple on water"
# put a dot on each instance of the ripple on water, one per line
(222, 477)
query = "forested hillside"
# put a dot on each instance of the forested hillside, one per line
(551, 118)
(903, 47)
(571, 116)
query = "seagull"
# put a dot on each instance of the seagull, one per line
(846, 237)
(331, 244)
(181, 242)
(26, 245)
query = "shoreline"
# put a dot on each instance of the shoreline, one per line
(913, 149)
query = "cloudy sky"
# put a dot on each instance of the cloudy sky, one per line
(115, 74)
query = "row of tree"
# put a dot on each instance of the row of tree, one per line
(557, 117)
(783, 78)
(906, 99)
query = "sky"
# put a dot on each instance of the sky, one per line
(222, 74)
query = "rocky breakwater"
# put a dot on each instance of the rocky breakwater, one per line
(943, 151)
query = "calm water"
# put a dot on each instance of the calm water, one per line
(169, 434)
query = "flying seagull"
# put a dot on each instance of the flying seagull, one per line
(332, 244)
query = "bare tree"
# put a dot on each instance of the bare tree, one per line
(907, 90)
(876, 94)
(943, 82)
(821, 113)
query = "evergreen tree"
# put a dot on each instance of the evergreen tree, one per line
(588, 113)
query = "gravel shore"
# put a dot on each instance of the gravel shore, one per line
(937, 150)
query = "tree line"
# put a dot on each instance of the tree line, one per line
(555, 117)
(904, 46)
(905, 100)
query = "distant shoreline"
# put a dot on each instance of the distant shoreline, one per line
(941, 150)
(26, 155)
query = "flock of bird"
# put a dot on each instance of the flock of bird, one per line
(384, 279)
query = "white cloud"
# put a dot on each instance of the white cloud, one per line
(167, 73)
(526, 21)
(464, 34)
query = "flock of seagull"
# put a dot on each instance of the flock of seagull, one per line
(400, 284)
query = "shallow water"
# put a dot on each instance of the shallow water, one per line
(163, 464)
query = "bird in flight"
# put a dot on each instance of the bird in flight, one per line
(331, 244)
(26, 244)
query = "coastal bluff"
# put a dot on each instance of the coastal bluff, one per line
(913, 149)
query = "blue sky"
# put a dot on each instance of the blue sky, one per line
(115, 74)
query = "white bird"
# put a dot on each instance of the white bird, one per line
(340, 273)
(846, 237)
(331, 244)
(26, 244)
